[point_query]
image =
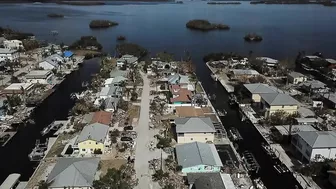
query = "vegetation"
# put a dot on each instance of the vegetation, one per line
(165, 56)
(94, 24)
(10, 34)
(83, 107)
(159, 175)
(29, 44)
(132, 49)
(205, 25)
(55, 15)
(121, 38)
(317, 168)
(252, 37)
(221, 56)
(163, 142)
(87, 42)
(224, 3)
(43, 185)
(281, 118)
(116, 179)
(106, 67)
(97, 151)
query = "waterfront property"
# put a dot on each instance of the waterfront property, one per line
(116, 81)
(39, 76)
(73, 173)
(93, 138)
(198, 157)
(240, 73)
(314, 86)
(268, 61)
(8, 54)
(256, 89)
(116, 72)
(296, 78)
(102, 117)
(200, 129)
(283, 132)
(13, 44)
(180, 95)
(210, 181)
(127, 60)
(315, 145)
(330, 99)
(189, 111)
(52, 62)
(112, 91)
(18, 88)
(180, 80)
(273, 102)
(110, 104)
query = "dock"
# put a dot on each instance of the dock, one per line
(223, 79)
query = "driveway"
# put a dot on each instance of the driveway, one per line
(142, 153)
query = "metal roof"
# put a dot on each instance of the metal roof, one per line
(284, 129)
(197, 153)
(178, 78)
(296, 74)
(208, 181)
(115, 73)
(96, 132)
(319, 139)
(279, 99)
(10, 181)
(194, 125)
(111, 102)
(259, 88)
(268, 60)
(73, 172)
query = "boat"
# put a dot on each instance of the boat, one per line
(36, 154)
(281, 168)
(85, 84)
(250, 162)
(214, 77)
(269, 150)
(258, 184)
(52, 127)
(233, 100)
(234, 134)
(221, 113)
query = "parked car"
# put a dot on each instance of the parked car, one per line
(126, 139)
(128, 128)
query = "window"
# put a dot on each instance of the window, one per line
(206, 138)
(89, 142)
(180, 134)
(96, 142)
(205, 133)
(83, 150)
(191, 139)
(307, 153)
(283, 106)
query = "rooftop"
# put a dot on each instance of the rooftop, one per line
(67, 53)
(19, 86)
(268, 60)
(314, 84)
(260, 88)
(296, 74)
(6, 51)
(319, 139)
(102, 117)
(184, 95)
(210, 181)
(197, 153)
(284, 129)
(279, 99)
(330, 96)
(38, 73)
(114, 73)
(189, 111)
(178, 79)
(111, 102)
(194, 125)
(73, 172)
(96, 132)
(244, 72)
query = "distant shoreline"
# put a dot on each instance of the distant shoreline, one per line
(82, 2)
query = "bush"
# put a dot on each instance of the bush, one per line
(115, 133)
(205, 25)
(86, 42)
(102, 24)
(114, 139)
(159, 175)
(132, 49)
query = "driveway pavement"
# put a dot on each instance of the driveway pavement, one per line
(145, 136)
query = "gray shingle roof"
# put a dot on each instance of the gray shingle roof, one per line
(197, 153)
(194, 125)
(96, 132)
(111, 102)
(296, 74)
(115, 73)
(260, 88)
(319, 139)
(206, 180)
(78, 172)
(279, 99)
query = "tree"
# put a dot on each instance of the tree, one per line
(115, 179)
(43, 185)
(159, 175)
(134, 96)
(165, 56)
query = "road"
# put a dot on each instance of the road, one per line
(142, 153)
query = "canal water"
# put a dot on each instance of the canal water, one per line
(14, 156)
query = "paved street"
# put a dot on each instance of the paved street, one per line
(142, 153)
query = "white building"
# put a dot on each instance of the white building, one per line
(296, 78)
(9, 54)
(268, 61)
(39, 76)
(13, 44)
(52, 62)
(315, 145)
(18, 88)
(127, 59)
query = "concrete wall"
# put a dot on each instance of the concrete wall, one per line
(201, 169)
(192, 137)
(90, 146)
(329, 153)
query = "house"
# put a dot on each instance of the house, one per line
(68, 54)
(52, 62)
(273, 102)
(239, 73)
(330, 99)
(18, 88)
(115, 73)
(40, 76)
(268, 61)
(210, 181)
(296, 78)
(112, 91)
(8, 54)
(198, 157)
(73, 173)
(13, 44)
(315, 145)
(116, 81)
(180, 95)
(110, 104)
(93, 137)
(283, 132)
(200, 129)
(127, 60)
(2, 39)
(314, 86)
(102, 117)
(331, 62)
(256, 89)
(306, 121)
(180, 80)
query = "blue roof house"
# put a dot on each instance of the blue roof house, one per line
(67, 54)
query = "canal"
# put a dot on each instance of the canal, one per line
(14, 156)
(251, 138)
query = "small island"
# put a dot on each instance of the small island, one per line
(224, 3)
(252, 37)
(54, 15)
(121, 38)
(96, 24)
(205, 25)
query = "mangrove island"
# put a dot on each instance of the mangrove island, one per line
(224, 3)
(95, 24)
(205, 25)
(121, 38)
(252, 37)
(54, 15)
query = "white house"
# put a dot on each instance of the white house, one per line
(315, 145)
(268, 61)
(13, 44)
(52, 62)
(296, 78)
(127, 59)
(9, 54)
(39, 76)
(112, 91)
